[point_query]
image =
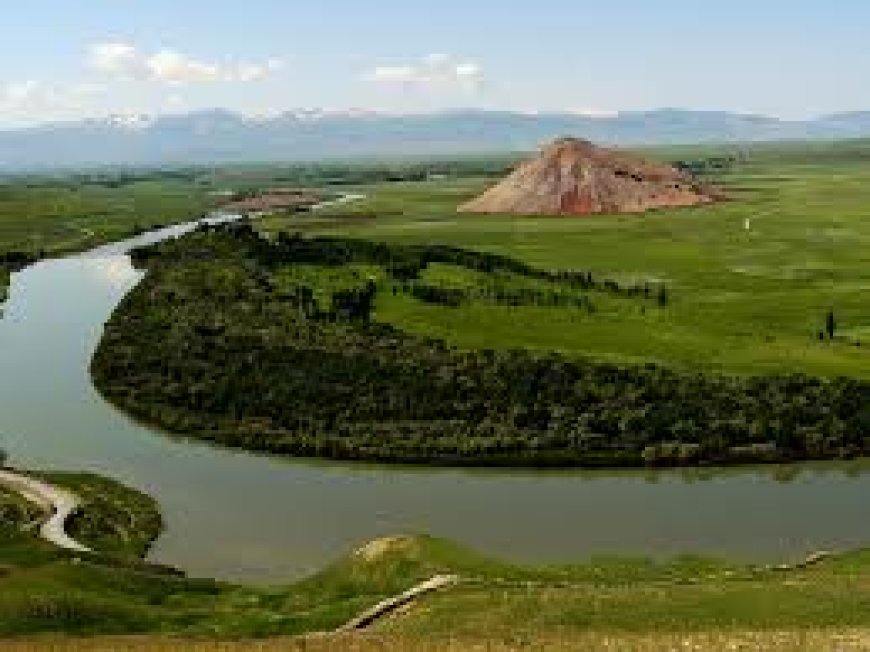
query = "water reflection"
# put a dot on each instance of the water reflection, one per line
(117, 272)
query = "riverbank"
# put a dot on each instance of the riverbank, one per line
(80, 513)
(5, 276)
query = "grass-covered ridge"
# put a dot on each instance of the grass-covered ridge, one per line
(494, 602)
(44, 590)
(282, 346)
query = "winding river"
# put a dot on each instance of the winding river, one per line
(264, 520)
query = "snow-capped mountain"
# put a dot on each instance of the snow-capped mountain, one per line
(312, 134)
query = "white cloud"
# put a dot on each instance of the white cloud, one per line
(24, 99)
(18, 93)
(124, 61)
(118, 59)
(256, 71)
(175, 68)
(596, 113)
(435, 70)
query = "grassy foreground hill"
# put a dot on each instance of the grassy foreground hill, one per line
(46, 590)
(620, 604)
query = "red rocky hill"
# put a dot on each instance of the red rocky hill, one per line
(575, 177)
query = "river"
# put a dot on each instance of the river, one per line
(256, 519)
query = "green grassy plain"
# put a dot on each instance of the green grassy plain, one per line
(751, 279)
(621, 604)
(55, 217)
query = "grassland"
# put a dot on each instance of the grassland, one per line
(46, 217)
(53, 214)
(278, 346)
(609, 603)
(50, 216)
(744, 641)
(751, 280)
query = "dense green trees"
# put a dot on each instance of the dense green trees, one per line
(212, 345)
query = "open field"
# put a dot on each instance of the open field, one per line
(406, 332)
(751, 280)
(614, 604)
(46, 217)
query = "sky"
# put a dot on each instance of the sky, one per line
(70, 59)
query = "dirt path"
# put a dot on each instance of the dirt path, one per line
(388, 606)
(59, 503)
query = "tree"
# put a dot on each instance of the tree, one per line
(830, 324)
(662, 297)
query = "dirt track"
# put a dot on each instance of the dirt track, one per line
(59, 503)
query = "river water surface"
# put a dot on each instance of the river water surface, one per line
(257, 519)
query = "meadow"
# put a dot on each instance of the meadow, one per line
(53, 215)
(751, 280)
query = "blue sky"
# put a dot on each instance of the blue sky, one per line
(62, 60)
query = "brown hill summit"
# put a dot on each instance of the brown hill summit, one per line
(575, 177)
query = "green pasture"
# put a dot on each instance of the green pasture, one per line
(750, 280)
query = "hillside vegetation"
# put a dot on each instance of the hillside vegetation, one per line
(620, 604)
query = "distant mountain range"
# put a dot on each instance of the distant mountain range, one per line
(307, 135)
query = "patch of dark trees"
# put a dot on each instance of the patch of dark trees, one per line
(404, 263)
(15, 260)
(453, 297)
(713, 165)
(207, 345)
